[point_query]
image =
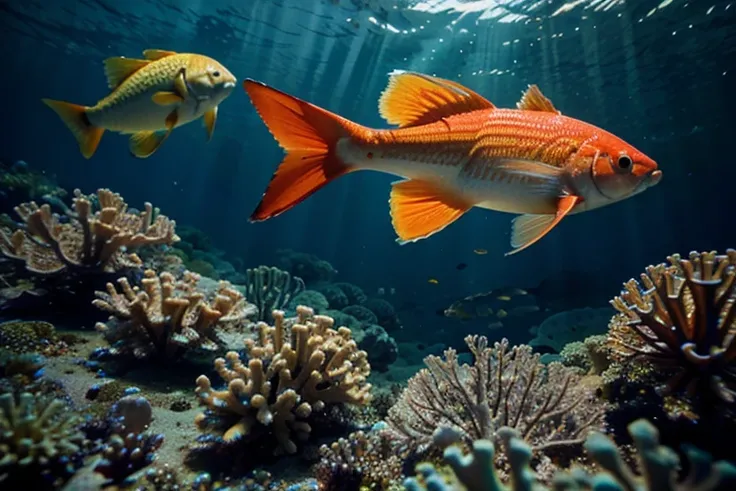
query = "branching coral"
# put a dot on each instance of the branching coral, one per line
(362, 460)
(681, 318)
(35, 434)
(548, 405)
(660, 466)
(84, 240)
(269, 289)
(168, 316)
(289, 374)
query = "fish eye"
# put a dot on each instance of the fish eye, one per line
(624, 161)
(216, 73)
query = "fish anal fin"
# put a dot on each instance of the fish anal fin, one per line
(119, 68)
(166, 98)
(144, 143)
(209, 119)
(420, 209)
(157, 54)
(528, 229)
(75, 118)
(413, 99)
(534, 100)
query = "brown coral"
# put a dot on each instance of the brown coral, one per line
(168, 316)
(549, 405)
(681, 319)
(362, 460)
(87, 241)
(290, 373)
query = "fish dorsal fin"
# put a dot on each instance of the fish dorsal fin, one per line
(420, 209)
(413, 99)
(534, 100)
(157, 54)
(528, 229)
(119, 68)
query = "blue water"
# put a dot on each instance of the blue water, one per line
(659, 74)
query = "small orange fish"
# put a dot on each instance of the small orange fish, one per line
(150, 98)
(456, 151)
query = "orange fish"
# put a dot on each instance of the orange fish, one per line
(150, 98)
(456, 151)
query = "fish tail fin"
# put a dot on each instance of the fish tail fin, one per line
(309, 135)
(75, 118)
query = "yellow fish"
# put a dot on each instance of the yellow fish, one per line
(150, 98)
(434, 281)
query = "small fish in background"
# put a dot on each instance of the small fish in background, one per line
(498, 304)
(149, 98)
(461, 266)
(381, 291)
(480, 252)
(455, 150)
(434, 281)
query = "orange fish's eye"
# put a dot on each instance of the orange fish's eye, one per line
(624, 162)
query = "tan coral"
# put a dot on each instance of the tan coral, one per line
(167, 316)
(681, 319)
(87, 241)
(290, 373)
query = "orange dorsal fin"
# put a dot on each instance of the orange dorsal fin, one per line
(157, 54)
(420, 209)
(119, 68)
(413, 99)
(528, 229)
(533, 100)
(309, 134)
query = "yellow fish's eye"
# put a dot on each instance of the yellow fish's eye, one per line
(215, 74)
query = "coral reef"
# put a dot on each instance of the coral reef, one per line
(167, 317)
(83, 240)
(271, 289)
(29, 336)
(308, 267)
(290, 374)
(313, 298)
(354, 293)
(680, 318)
(124, 455)
(381, 348)
(550, 405)
(360, 461)
(592, 355)
(660, 466)
(39, 438)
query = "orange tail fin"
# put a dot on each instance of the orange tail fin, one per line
(309, 135)
(75, 118)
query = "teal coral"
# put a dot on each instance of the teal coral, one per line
(270, 288)
(660, 465)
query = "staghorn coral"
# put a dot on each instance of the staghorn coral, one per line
(37, 435)
(84, 240)
(660, 465)
(167, 316)
(550, 406)
(362, 460)
(681, 319)
(269, 289)
(289, 375)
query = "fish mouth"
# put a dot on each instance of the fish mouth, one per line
(228, 85)
(654, 177)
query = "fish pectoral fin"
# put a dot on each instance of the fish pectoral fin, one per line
(534, 100)
(528, 229)
(166, 98)
(209, 119)
(119, 68)
(412, 99)
(420, 209)
(144, 143)
(538, 178)
(157, 54)
(180, 84)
